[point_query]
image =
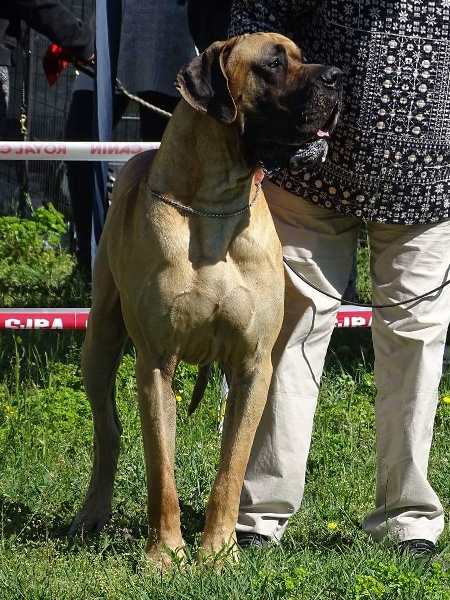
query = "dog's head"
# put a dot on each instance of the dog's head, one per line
(285, 109)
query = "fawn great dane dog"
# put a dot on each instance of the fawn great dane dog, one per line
(190, 267)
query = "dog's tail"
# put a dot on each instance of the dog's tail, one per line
(200, 387)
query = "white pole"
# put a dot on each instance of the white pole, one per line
(83, 151)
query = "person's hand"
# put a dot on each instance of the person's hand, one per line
(87, 62)
(84, 66)
(54, 61)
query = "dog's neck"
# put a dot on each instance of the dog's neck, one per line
(207, 158)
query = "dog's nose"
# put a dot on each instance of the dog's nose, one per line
(332, 77)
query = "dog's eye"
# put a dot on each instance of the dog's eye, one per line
(274, 64)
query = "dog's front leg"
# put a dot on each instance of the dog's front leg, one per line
(245, 404)
(157, 407)
(102, 352)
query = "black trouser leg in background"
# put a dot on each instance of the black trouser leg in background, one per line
(80, 175)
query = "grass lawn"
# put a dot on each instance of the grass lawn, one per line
(45, 460)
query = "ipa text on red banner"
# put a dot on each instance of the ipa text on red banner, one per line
(354, 316)
(63, 318)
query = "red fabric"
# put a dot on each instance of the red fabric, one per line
(54, 61)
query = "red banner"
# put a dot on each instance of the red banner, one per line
(354, 316)
(44, 318)
(76, 318)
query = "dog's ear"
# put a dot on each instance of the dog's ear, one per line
(204, 85)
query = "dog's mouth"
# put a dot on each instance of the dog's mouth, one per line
(316, 149)
(328, 127)
(296, 156)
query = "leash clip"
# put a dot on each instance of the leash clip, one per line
(23, 124)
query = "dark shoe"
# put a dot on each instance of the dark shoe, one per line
(417, 548)
(251, 540)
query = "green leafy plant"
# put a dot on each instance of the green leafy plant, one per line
(282, 583)
(33, 261)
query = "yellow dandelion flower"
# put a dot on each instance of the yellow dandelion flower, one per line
(332, 526)
(221, 412)
(178, 398)
(446, 399)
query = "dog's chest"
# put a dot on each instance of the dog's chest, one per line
(204, 324)
(200, 308)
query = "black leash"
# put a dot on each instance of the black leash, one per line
(89, 70)
(26, 42)
(410, 301)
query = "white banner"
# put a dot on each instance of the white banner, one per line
(85, 151)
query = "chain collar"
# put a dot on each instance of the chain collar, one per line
(203, 213)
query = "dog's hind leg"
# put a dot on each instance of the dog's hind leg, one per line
(157, 407)
(246, 399)
(101, 355)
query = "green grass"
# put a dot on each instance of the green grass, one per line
(45, 460)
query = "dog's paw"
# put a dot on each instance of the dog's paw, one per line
(217, 553)
(90, 522)
(220, 559)
(165, 558)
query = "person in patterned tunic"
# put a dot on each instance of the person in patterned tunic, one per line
(388, 164)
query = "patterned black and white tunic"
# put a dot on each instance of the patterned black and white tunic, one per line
(389, 157)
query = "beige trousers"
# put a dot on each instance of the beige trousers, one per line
(408, 341)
